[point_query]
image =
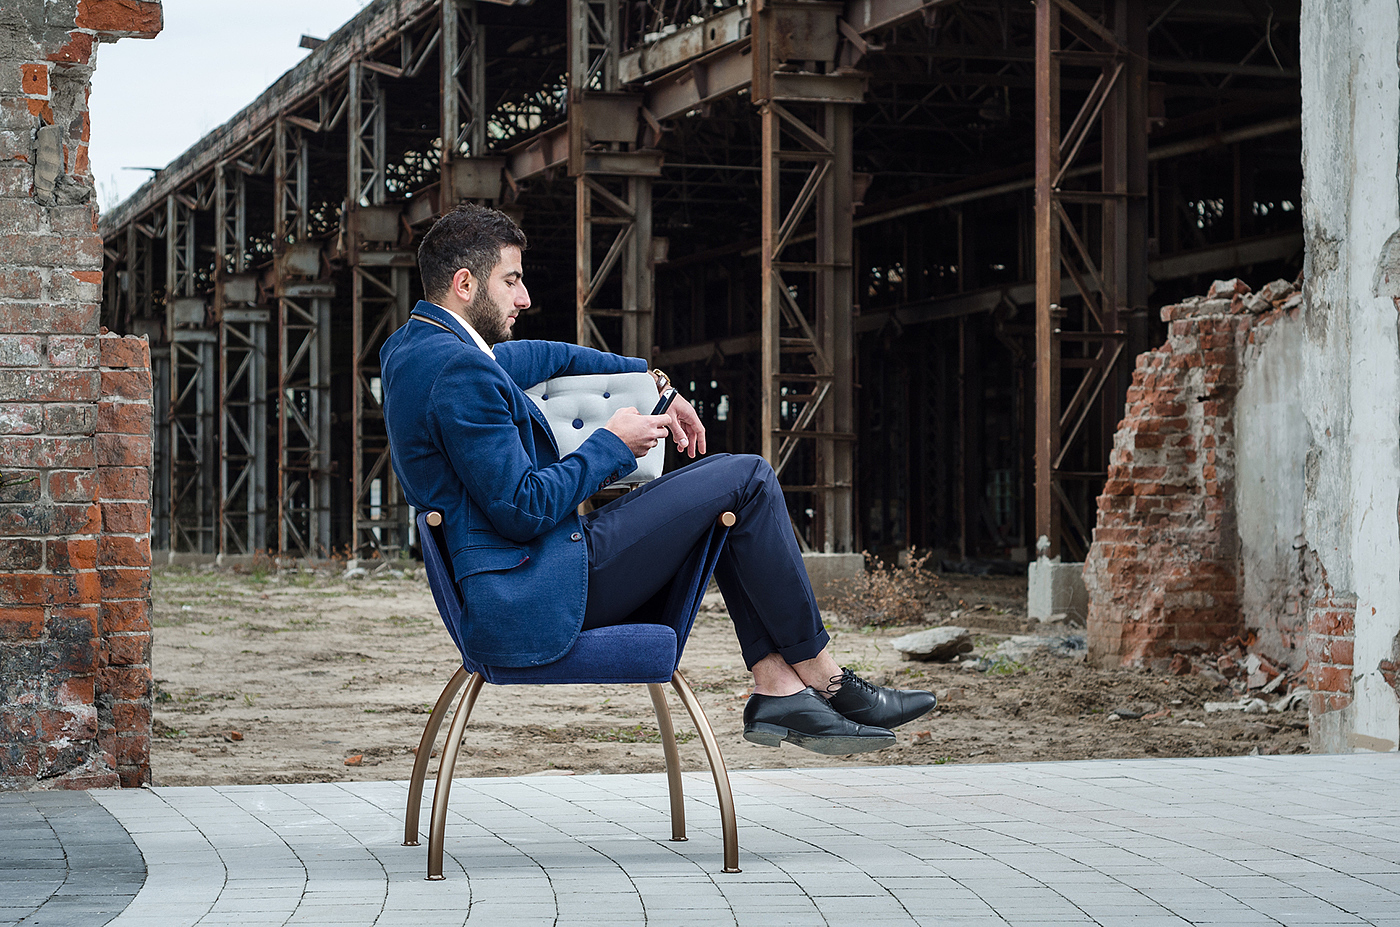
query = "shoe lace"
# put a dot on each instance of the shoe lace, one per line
(848, 677)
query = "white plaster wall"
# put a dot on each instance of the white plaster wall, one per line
(1272, 438)
(1351, 206)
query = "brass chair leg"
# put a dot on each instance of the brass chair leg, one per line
(726, 797)
(673, 760)
(425, 752)
(438, 823)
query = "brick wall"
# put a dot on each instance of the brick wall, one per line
(1164, 572)
(75, 426)
(1331, 633)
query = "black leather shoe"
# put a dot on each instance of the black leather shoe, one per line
(807, 720)
(865, 703)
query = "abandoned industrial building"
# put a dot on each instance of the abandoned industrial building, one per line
(1101, 290)
(821, 218)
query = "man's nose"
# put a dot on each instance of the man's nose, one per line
(522, 296)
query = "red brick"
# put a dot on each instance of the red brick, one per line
(21, 554)
(123, 450)
(77, 51)
(73, 485)
(133, 749)
(128, 351)
(131, 716)
(125, 583)
(68, 555)
(21, 622)
(126, 517)
(127, 683)
(34, 79)
(121, 551)
(131, 418)
(21, 351)
(20, 282)
(129, 616)
(133, 777)
(129, 650)
(126, 384)
(124, 483)
(138, 18)
(48, 317)
(43, 589)
(43, 385)
(21, 419)
(1330, 679)
(77, 690)
(62, 418)
(1332, 622)
(51, 250)
(73, 351)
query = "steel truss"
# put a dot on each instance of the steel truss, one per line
(1110, 286)
(806, 361)
(303, 425)
(382, 300)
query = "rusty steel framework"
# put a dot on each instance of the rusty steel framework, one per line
(905, 249)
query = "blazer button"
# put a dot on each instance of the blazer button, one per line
(576, 536)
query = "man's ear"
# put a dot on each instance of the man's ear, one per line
(462, 283)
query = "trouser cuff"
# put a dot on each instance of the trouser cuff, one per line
(793, 653)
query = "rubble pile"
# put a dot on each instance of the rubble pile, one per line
(1164, 571)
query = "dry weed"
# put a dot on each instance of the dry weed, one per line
(885, 595)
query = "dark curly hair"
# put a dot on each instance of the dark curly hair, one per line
(469, 236)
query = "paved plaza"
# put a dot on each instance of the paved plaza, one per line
(1300, 840)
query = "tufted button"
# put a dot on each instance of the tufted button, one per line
(545, 396)
(607, 395)
(578, 423)
(576, 536)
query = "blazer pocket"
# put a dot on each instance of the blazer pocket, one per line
(494, 559)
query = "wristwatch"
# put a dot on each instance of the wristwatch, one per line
(662, 381)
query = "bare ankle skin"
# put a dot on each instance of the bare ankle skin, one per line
(774, 676)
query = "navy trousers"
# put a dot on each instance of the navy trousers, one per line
(637, 543)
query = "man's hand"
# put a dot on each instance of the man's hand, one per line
(686, 428)
(640, 432)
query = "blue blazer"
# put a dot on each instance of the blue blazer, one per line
(466, 441)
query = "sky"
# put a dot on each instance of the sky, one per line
(152, 99)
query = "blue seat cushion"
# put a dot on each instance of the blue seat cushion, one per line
(624, 653)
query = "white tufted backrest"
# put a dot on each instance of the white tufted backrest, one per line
(577, 406)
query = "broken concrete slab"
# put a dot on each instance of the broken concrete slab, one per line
(935, 644)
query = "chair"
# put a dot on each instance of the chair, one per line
(648, 654)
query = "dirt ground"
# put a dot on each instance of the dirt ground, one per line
(283, 676)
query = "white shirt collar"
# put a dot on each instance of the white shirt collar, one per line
(461, 322)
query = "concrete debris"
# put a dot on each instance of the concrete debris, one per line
(1253, 706)
(1024, 646)
(1297, 699)
(935, 644)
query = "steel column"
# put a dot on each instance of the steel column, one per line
(1047, 270)
(304, 357)
(367, 127)
(463, 85)
(806, 357)
(1109, 285)
(381, 300)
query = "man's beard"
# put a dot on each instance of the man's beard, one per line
(484, 315)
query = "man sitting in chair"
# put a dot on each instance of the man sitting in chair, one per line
(467, 442)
